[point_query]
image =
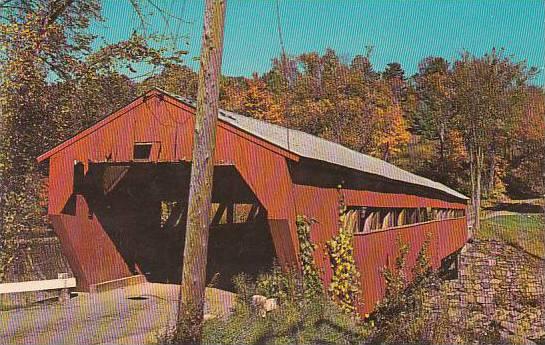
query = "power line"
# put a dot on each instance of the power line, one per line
(169, 31)
(279, 28)
(163, 31)
(283, 58)
(180, 22)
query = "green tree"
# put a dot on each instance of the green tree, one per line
(434, 92)
(526, 158)
(488, 98)
(346, 103)
(49, 79)
(251, 97)
(37, 39)
(395, 76)
(178, 79)
(433, 123)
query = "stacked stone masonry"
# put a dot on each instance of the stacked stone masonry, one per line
(498, 287)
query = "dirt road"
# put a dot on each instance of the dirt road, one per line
(131, 315)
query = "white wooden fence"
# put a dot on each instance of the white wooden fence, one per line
(62, 283)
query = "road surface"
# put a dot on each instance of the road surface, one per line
(131, 315)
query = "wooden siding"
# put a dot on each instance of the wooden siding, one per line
(374, 250)
(158, 119)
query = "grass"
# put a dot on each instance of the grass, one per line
(526, 231)
(301, 322)
(299, 319)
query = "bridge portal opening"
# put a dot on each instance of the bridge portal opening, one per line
(143, 209)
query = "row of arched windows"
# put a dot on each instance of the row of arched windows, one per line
(369, 219)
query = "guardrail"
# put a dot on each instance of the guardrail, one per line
(63, 283)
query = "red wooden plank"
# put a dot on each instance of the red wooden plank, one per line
(138, 101)
(375, 250)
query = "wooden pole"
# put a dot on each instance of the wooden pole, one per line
(190, 309)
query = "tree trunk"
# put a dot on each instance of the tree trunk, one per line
(475, 170)
(386, 153)
(442, 151)
(491, 173)
(192, 290)
(476, 192)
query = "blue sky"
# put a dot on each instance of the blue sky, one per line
(404, 31)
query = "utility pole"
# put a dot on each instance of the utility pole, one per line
(190, 308)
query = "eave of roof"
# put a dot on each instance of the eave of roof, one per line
(116, 114)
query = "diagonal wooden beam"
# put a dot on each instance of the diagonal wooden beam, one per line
(112, 176)
(219, 213)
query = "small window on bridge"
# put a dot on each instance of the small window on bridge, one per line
(459, 213)
(142, 151)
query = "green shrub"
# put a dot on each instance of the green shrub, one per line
(401, 317)
(312, 284)
(20, 214)
(278, 284)
(398, 316)
(298, 319)
(345, 282)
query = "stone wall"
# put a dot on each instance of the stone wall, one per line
(498, 288)
(37, 258)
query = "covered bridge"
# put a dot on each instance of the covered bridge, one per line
(118, 199)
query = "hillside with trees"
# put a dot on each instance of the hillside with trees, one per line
(475, 116)
(475, 124)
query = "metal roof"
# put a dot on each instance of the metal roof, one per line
(310, 146)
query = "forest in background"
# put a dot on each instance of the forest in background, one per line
(476, 124)
(422, 123)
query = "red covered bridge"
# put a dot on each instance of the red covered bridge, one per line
(118, 195)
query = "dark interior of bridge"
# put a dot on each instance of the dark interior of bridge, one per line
(143, 209)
